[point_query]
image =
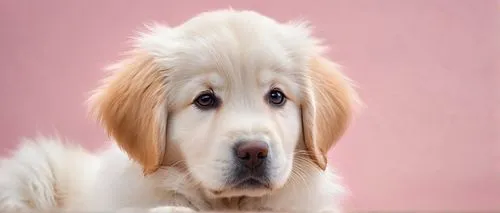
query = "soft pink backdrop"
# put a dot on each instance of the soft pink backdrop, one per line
(429, 138)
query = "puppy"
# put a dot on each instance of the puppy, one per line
(231, 110)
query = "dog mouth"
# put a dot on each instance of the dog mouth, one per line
(252, 183)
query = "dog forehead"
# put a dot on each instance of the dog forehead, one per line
(242, 47)
(237, 45)
(229, 40)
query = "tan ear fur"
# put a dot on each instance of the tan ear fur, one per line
(131, 106)
(327, 108)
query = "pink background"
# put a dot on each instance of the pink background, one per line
(429, 138)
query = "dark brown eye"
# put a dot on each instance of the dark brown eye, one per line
(276, 97)
(206, 101)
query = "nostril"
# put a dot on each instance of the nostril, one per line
(244, 156)
(262, 154)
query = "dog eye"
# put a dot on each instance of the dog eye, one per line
(276, 97)
(206, 101)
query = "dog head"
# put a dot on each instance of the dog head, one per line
(234, 94)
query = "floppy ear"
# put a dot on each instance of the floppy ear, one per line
(131, 106)
(326, 108)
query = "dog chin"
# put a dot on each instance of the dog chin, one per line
(239, 192)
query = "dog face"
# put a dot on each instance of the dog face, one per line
(236, 94)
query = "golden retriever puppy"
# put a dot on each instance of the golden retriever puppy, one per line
(230, 110)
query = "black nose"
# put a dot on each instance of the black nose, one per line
(252, 153)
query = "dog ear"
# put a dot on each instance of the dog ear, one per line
(131, 105)
(326, 109)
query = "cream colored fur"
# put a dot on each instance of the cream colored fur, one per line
(169, 155)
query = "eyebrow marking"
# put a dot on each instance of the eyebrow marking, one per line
(214, 80)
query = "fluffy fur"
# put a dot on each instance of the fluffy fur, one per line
(173, 155)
